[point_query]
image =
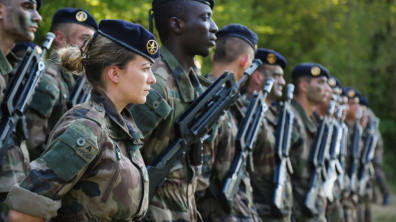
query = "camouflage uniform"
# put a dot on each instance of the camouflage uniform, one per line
(263, 176)
(303, 137)
(47, 107)
(218, 157)
(170, 96)
(16, 161)
(91, 171)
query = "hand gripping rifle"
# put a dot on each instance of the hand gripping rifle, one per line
(333, 166)
(195, 122)
(355, 157)
(367, 156)
(78, 94)
(245, 140)
(281, 151)
(317, 158)
(18, 95)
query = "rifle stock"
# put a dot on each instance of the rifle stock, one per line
(18, 95)
(196, 121)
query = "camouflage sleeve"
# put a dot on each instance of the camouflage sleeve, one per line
(147, 116)
(378, 152)
(37, 130)
(74, 146)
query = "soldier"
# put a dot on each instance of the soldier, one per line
(310, 80)
(186, 29)
(334, 209)
(350, 200)
(264, 162)
(18, 23)
(235, 48)
(70, 26)
(93, 169)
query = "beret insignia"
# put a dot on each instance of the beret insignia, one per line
(152, 47)
(351, 93)
(337, 90)
(332, 82)
(271, 58)
(315, 71)
(81, 16)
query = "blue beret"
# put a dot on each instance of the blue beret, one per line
(335, 84)
(239, 31)
(351, 92)
(23, 46)
(155, 3)
(132, 36)
(269, 56)
(78, 16)
(39, 2)
(363, 100)
(312, 70)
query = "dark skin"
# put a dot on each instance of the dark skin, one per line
(192, 36)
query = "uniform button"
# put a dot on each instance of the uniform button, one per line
(156, 104)
(48, 87)
(135, 142)
(64, 95)
(98, 108)
(81, 141)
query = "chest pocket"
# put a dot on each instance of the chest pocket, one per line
(45, 96)
(74, 149)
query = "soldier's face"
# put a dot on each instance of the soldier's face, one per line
(318, 90)
(135, 80)
(77, 34)
(353, 108)
(276, 72)
(199, 30)
(20, 20)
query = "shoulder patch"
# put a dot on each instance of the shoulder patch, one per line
(72, 151)
(45, 96)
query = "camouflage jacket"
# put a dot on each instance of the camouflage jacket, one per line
(91, 171)
(219, 154)
(303, 138)
(174, 90)
(16, 161)
(264, 169)
(47, 107)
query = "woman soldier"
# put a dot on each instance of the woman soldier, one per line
(92, 169)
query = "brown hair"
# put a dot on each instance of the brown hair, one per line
(97, 55)
(229, 48)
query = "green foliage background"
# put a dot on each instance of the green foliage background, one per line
(354, 39)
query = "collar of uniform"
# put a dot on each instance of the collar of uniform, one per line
(271, 115)
(5, 66)
(308, 122)
(123, 120)
(181, 77)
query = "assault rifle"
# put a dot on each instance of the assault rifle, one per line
(333, 166)
(78, 94)
(355, 157)
(18, 95)
(367, 156)
(195, 122)
(245, 140)
(343, 154)
(281, 151)
(317, 159)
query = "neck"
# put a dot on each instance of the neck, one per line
(219, 68)
(308, 107)
(350, 121)
(6, 43)
(115, 98)
(185, 60)
(321, 110)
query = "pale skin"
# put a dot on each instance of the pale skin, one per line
(18, 23)
(312, 92)
(71, 34)
(122, 86)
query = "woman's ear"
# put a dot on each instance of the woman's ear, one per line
(113, 74)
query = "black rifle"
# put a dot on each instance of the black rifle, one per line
(18, 95)
(78, 94)
(366, 170)
(333, 166)
(343, 151)
(355, 157)
(281, 151)
(317, 158)
(195, 122)
(245, 140)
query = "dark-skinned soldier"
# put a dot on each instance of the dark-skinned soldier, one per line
(186, 29)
